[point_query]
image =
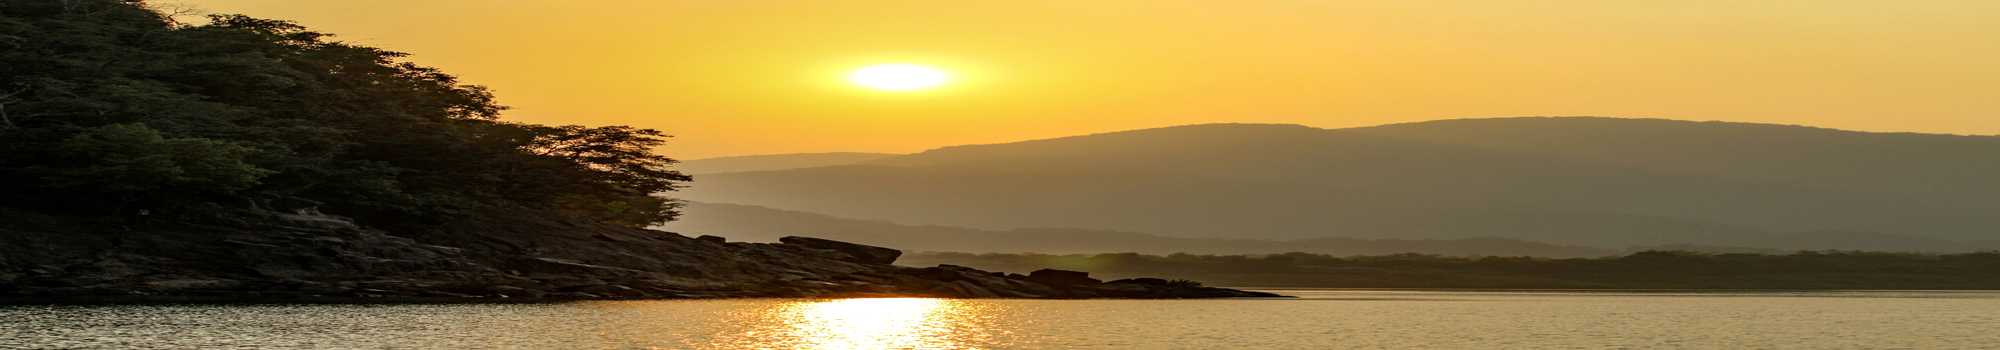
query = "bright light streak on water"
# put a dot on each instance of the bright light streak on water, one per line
(1320, 320)
(903, 323)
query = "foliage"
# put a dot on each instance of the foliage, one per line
(117, 100)
(135, 165)
(1649, 269)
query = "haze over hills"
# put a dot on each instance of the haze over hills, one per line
(1602, 182)
(1940, 177)
(775, 162)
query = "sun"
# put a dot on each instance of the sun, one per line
(899, 77)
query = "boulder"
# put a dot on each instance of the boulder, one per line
(861, 253)
(712, 239)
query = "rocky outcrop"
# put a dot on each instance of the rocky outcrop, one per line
(855, 252)
(512, 254)
(226, 252)
(1061, 277)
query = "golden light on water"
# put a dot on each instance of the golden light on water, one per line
(899, 77)
(858, 324)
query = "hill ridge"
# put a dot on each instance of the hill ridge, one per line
(1607, 182)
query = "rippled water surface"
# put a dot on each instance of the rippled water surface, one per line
(1319, 320)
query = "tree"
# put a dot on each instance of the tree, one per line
(620, 162)
(390, 143)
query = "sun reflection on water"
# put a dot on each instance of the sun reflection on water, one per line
(857, 324)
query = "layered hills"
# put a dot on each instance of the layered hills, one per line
(1602, 182)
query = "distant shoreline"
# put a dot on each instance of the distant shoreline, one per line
(218, 300)
(1649, 270)
(1612, 290)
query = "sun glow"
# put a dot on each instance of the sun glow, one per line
(899, 77)
(861, 324)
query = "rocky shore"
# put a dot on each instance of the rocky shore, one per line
(273, 251)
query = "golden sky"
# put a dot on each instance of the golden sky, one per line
(742, 77)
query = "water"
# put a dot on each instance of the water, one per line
(1338, 319)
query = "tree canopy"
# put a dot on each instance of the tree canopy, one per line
(111, 107)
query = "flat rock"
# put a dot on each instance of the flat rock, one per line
(861, 253)
(515, 253)
(1061, 277)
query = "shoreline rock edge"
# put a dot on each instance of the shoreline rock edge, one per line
(516, 254)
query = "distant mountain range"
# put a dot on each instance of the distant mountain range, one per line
(1603, 182)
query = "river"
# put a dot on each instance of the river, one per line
(1318, 319)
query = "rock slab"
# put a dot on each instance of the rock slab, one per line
(516, 254)
(861, 253)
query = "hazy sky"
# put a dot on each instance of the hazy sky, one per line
(740, 77)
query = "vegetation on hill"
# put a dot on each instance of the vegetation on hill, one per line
(1642, 270)
(112, 108)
